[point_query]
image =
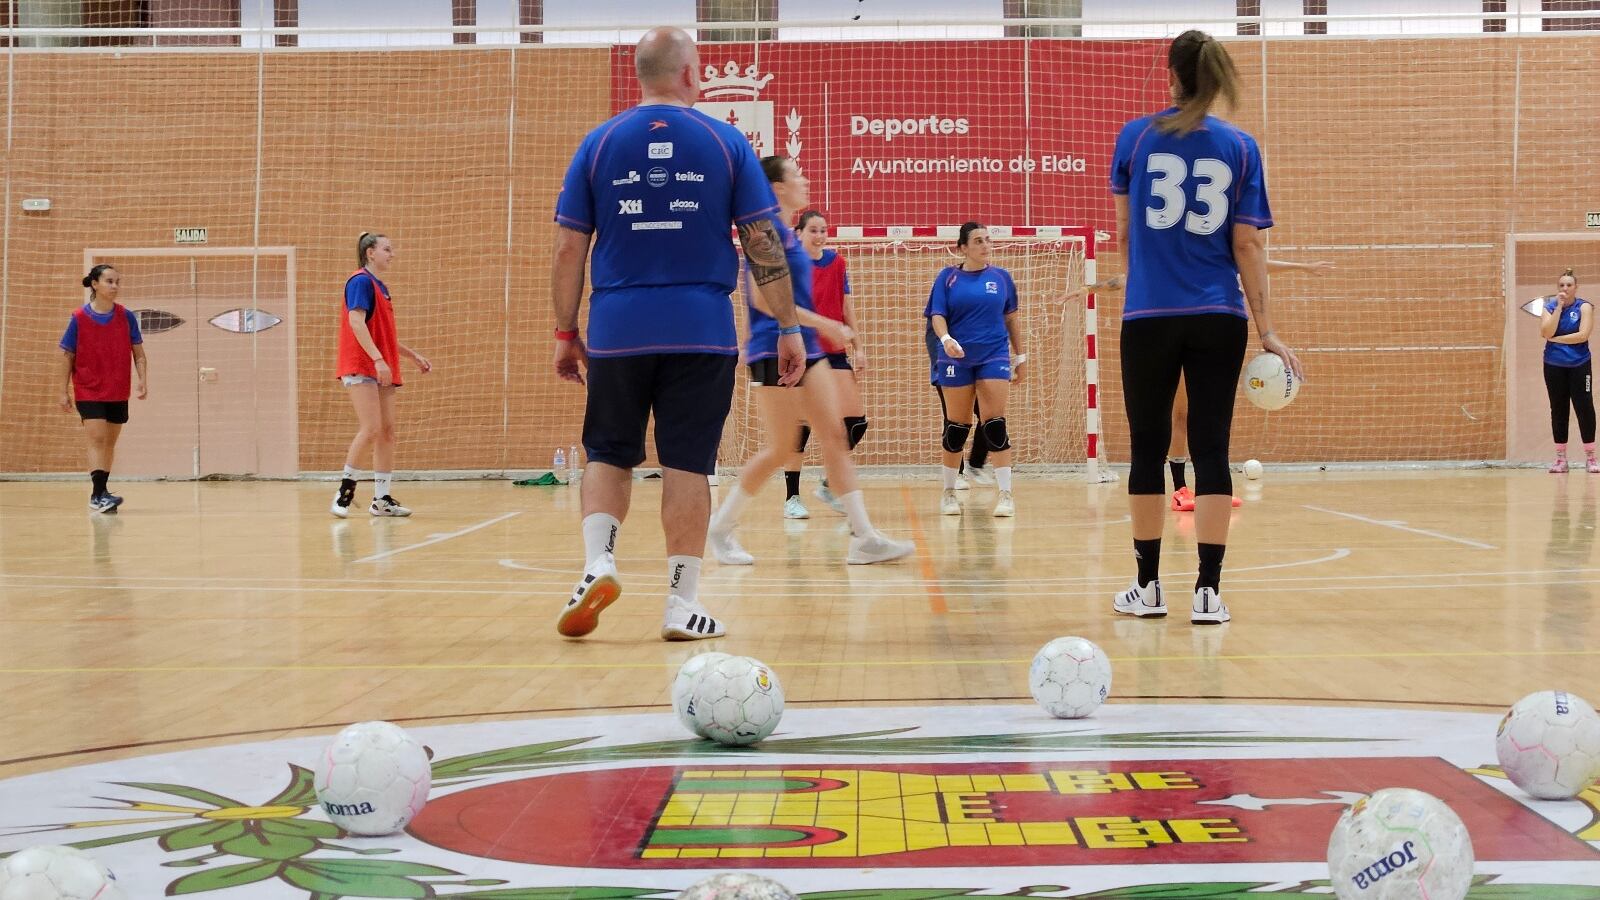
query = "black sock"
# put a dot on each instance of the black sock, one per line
(1211, 567)
(791, 481)
(1148, 553)
(99, 476)
(1176, 465)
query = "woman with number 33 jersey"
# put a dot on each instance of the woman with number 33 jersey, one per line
(1191, 199)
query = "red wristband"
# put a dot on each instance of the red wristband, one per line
(566, 335)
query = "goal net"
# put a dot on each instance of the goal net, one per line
(891, 272)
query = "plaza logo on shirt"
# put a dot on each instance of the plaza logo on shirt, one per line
(633, 178)
(684, 206)
(658, 177)
(991, 287)
(630, 207)
(661, 150)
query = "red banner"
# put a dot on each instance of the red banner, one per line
(935, 132)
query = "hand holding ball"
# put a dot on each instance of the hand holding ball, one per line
(1269, 383)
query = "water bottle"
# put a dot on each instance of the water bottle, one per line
(574, 464)
(559, 467)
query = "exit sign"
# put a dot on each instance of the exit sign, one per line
(1592, 219)
(189, 235)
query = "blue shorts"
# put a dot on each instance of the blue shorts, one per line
(955, 373)
(840, 361)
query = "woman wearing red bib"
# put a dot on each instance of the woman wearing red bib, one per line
(369, 365)
(101, 336)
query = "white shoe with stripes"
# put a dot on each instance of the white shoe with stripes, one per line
(1208, 608)
(688, 621)
(1145, 601)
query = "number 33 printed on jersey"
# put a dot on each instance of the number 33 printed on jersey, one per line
(1211, 180)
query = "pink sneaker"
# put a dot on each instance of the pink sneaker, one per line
(1593, 465)
(1559, 467)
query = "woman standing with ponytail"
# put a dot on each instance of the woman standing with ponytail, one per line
(1191, 199)
(369, 366)
(1568, 378)
(101, 337)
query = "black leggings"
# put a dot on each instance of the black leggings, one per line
(1208, 351)
(1570, 386)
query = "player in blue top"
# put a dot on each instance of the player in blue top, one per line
(1565, 326)
(1191, 198)
(816, 400)
(973, 311)
(658, 187)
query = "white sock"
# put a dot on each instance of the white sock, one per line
(1002, 477)
(727, 515)
(352, 473)
(855, 511)
(950, 478)
(380, 483)
(683, 577)
(599, 535)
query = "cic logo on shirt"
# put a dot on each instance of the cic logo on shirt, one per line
(661, 150)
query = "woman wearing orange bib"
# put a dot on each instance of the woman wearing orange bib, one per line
(369, 365)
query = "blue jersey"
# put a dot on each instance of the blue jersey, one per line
(1566, 355)
(662, 186)
(764, 328)
(358, 291)
(974, 306)
(69, 340)
(1184, 196)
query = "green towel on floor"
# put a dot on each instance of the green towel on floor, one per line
(545, 479)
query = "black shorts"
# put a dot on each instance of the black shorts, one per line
(113, 411)
(765, 371)
(688, 393)
(840, 361)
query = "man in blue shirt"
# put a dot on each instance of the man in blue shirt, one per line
(659, 187)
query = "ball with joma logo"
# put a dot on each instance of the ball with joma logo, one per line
(1269, 383)
(1400, 844)
(737, 701)
(736, 886)
(56, 873)
(1070, 677)
(1549, 745)
(373, 779)
(683, 687)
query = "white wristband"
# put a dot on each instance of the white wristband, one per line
(1019, 359)
(947, 338)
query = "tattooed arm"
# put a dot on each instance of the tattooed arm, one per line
(763, 248)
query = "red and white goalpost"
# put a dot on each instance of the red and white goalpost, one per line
(1054, 411)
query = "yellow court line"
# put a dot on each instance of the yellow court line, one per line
(510, 667)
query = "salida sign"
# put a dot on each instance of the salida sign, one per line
(935, 132)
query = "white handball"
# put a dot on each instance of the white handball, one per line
(1400, 844)
(1252, 469)
(373, 779)
(737, 701)
(56, 873)
(1549, 745)
(736, 886)
(1268, 382)
(1070, 677)
(683, 687)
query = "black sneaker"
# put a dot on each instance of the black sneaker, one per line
(105, 504)
(347, 495)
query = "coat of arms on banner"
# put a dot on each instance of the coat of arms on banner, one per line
(733, 96)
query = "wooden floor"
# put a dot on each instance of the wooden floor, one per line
(216, 613)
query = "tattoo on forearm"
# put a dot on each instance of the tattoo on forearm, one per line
(764, 250)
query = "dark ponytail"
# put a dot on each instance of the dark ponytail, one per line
(1205, 72)
(772, 167)
(97, 271)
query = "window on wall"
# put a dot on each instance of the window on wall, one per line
(1494, 6)
(1575, 24)
(1248, 8)
(1316, 8)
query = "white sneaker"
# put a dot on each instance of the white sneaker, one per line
(689, 621)
(388, 506)
(1005, 507)
(794, 509)
(948, 504)
(1146, 602)
(961, 482)
(343, 499)
(598, 589)
(725, 547)
(826, 496)
(982, 475)
(1208, 608)
(877, 547)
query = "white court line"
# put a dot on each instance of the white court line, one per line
(1401, 526)
(438, 538)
